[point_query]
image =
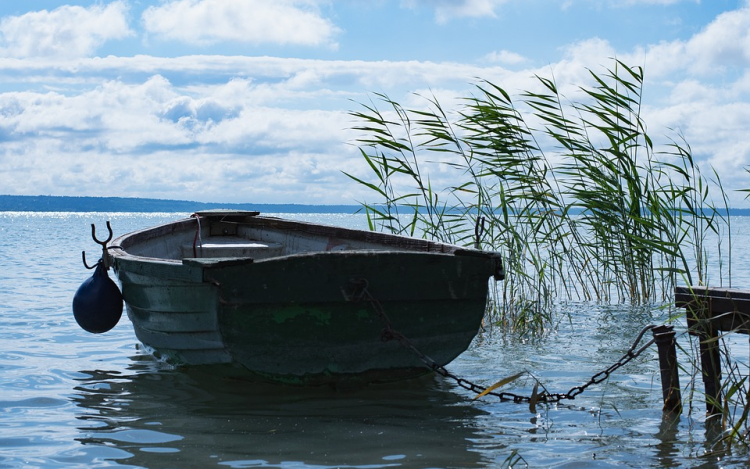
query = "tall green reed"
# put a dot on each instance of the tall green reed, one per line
(573, 193)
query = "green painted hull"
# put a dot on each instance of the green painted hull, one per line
(307, 318)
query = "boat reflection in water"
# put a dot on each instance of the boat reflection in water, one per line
(202, 418)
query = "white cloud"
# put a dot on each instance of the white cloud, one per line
(725, 43)
(445, 10)
(714, 119)
(722, 46)
(292, 77)
(589, 51)
(505, 57)
(68, 31)
(628, 3)
(572, 71)
(205, 22)
(199, 142)
(272, 129)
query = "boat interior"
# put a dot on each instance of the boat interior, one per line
(221, 235)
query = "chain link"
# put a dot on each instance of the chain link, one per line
(361, 292)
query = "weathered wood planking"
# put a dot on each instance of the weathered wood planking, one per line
(710, 310)
(728, 309)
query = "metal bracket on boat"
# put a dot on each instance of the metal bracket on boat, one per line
(103, 244)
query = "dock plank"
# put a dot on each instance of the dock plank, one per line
(708, 312)
(728, 309)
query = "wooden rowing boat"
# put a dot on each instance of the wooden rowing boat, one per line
(297, 302)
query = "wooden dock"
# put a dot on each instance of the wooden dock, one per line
(711, 311)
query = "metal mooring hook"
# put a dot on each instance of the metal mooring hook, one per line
(103, 244)
(85, 264)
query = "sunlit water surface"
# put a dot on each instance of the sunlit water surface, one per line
(73, 399)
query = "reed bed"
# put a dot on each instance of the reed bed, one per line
(574, 193)
(595, 213)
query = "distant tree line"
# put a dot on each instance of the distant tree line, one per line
(45, 203)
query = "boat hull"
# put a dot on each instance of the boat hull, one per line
(310, 318)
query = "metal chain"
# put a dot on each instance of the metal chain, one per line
(361, 292)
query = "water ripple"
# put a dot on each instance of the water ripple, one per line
(72, 399)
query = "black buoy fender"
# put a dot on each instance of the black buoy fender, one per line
(97, 304)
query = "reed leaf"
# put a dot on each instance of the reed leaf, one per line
(499, 384)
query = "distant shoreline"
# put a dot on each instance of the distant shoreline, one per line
(51, 203)
(47, 203)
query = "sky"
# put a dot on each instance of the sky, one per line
(249, 101)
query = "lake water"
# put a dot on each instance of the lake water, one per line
(73, 399)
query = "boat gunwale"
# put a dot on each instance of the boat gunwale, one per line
(118, 247)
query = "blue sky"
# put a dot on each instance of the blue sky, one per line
(248, 101)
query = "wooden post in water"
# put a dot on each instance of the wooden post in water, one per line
(699, 312)
(670, 380)
(711, 366)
